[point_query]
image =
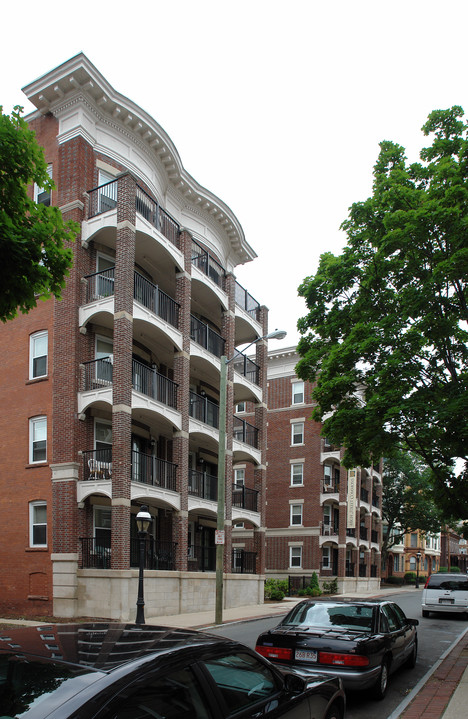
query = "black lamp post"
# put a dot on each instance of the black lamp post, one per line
(418, 559)
(143, 520)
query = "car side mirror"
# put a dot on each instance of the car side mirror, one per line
(413, 622)
(294, 684)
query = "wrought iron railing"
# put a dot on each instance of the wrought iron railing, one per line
(330, 529)
(149, 382)
(206, 337)
(248, 369)
(102, 198)
(154, 299)
(350, 532)
(148, 469)
(203, 485)
(207, 264)
(244, 497)
(350, 569)
(362, 570)
(364, 495)
(245, 432)
(97, 464)
(374, 536)
(243, 562)
(100, 285)
(97, 374)
(246, 301)
(95, 553)
(201, 559)
(375, 501)
(204, 410)
(158, 554)
(330, 486)
(363, 533)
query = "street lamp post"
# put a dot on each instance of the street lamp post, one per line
(277, 335)
(418, 559)
(143, 520)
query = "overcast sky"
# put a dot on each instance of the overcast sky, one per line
(276, 107)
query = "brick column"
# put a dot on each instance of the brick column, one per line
(122, 372)
(261, 359)
(228, 332)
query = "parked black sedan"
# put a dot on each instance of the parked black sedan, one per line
(124, 671)
(362, 642)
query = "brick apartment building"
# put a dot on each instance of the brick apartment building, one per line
(319, 516)
(111, 396)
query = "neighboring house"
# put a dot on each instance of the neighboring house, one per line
(319, 516)
(111, 396)
(414, 552)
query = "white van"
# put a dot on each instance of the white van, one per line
(445, 593)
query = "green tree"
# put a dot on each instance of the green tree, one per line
(34, 259)
(385, 337)
(407, 500)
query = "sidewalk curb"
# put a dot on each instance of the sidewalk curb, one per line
(416, 689)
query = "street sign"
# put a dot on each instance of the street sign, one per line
(219, 536)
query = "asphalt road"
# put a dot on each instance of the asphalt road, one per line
(435, 634)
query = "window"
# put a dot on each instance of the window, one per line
(243, 680)
(414, 540)
(107, 191)
(297, 392)
(240, 407)
(325, 557)
(297, 431)
(38, 439)
(295, 514)
(38, 524)
(239, 477)
(38, 354)
(295, 557)
(297, 474)
(102, 527)
(41, 196)
(327, 475)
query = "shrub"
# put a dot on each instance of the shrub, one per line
(455, 570)
(394, 580)
(331, 587)
(410, 578)
(314, 582)
(275, 589)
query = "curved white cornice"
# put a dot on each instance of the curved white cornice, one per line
(78, 81)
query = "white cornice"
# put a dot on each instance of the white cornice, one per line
(78, 81)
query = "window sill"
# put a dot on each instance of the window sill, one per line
(38, 597)
(37, 549)
(34, 380)
(31, 465)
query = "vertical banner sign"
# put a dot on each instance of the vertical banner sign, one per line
(351, 506)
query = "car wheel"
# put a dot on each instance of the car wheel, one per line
(335, 712)
(381, 685)
(411, 661)
(425, 613)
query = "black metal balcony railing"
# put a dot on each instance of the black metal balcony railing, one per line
(94, 553)
(207, 338)
(148, 469)
(374, 536)
(245, 432)
(244, 497)
(373, 570)
(246, 301)
(201, 559)
(375, 502)
(203, 485)
(363, 533)
(207, 264)
(154, 299)
(350, 569)
(100, 285)
(364, 495)
(362, 570)
(158, 554)
(243, 562)
(102, 198)
(97, 374)
(350, 532)
(248, 369)
(330, 486)
(330, 529)
(204, 410)
(152, 384)
(97, 464)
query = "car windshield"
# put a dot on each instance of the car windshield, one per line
(333, 616)
(25, 682)
(455, 584)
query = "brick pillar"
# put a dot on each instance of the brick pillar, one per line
(261, 359)
(122, 372)
(228, 332)
(182, 377)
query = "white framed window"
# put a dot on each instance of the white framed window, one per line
(297, 433)
(240, 407)
(325, 557)
(297, 474)
(37, 439)
(298, 392)
(107, 191)
(327, 475)
(295, 557)
(102, 526)
(295, 514)
(38, 351)
(38, 524)
(41, 196)
(239, 477)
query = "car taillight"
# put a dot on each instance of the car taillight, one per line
(274, 652)
(427, 582)
(343, 660)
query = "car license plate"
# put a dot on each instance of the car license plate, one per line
(305, 656)
(445, 601)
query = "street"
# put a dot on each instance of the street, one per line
(435, 635)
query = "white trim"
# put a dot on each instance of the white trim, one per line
(33, 523)
(33, 421)
(32, 356)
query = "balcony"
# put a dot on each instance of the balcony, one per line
(362, 570)
(245, 367)
(350, 569)
(375, 501)
(207, 264)
(329, 486)
(203, 485)
(364, 495)
(206, 337)
(350, 532)
(201, 559)
(204, 410)
(374, 536)
(96, 554)
(244, 497)
(363, 533)
(148, 469)
(97, 374)
(243, 562)
(245, 432)
(329, 529)
(152, 384)
(244, 300)
(104, 198)
(97, 464)
(154, 299)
